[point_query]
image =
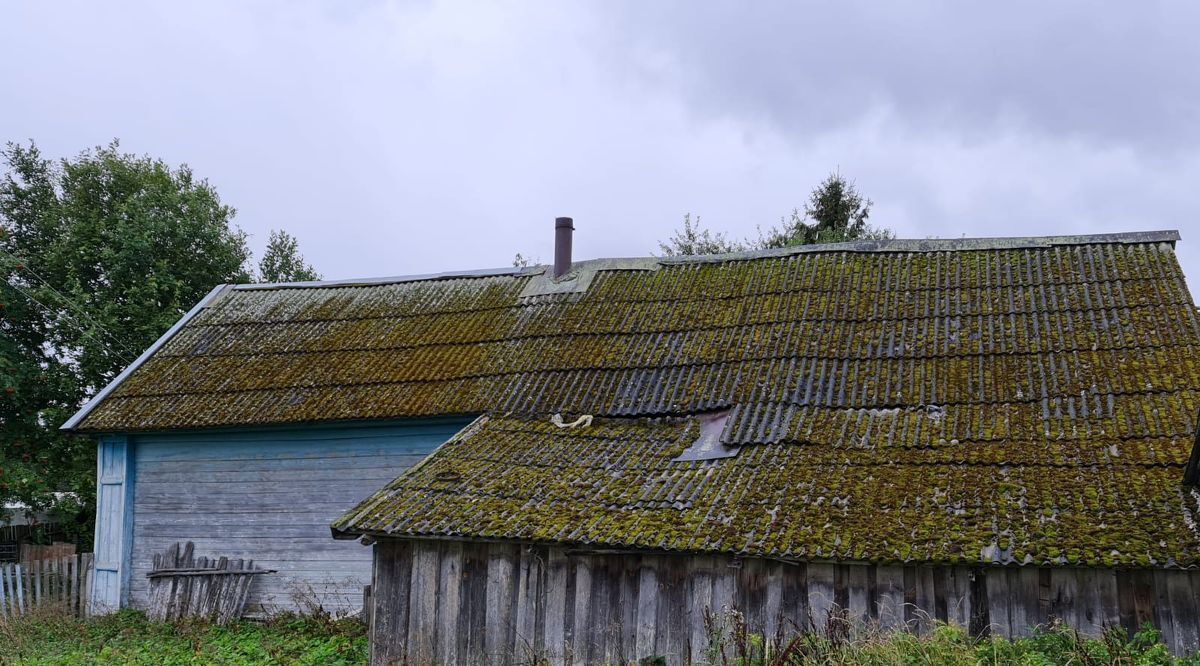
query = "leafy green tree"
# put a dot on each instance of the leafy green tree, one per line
(117, 246)
(35, 388)
(836, 212)
(99, 255)
(282, 261)
(693, 239)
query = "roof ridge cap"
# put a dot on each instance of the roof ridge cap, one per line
(906, 245)
(897, 245)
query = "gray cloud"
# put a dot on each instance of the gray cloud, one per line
(1121, 75)
(415, 137)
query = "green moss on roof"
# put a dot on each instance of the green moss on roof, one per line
(615, 483)
(1005, 405)
(1022, 342)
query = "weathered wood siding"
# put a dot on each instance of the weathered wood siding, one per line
(270, 496)
(463, 602)
(114, 529)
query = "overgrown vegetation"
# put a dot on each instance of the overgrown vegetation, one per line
(51, 638)
(731, 644)
(836, 212)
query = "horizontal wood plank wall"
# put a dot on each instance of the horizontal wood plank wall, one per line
(270, 496)
(481, 603)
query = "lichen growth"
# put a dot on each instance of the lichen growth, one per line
(1015, 405)
(616, 484)
(1012, 344)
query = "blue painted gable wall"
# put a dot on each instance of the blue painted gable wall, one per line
(265, 494)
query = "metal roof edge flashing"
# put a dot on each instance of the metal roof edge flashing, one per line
(395, 279)
(73, 422)
(580, 277)
(582, 272)
(934, 245)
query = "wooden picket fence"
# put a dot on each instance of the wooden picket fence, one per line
(62, 581)
(182, 585)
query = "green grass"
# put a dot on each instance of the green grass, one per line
(129, 638)
(945, 645)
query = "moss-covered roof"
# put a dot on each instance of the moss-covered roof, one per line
(1011, 342)
(617, 483)
(982, 400)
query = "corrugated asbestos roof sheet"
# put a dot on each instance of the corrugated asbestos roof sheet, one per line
(1101, 501)
(984, 400)
(1009, 342)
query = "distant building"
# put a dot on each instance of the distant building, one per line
(18, 525)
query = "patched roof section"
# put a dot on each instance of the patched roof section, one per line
(843, 495)
(1004, 339)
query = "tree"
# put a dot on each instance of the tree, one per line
(694, 239)
(282, 261)
(117, 246)
(99, 255)
(836, 212)
(34, 389)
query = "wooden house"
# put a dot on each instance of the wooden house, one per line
(988, 431)
(260, 472)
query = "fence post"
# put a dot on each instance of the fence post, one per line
(63, 581)
(3, 585)
(72, 582)
(85, 602)
(50, 573)
(20, 590)
(35, 570)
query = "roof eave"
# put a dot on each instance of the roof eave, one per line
(72, 424)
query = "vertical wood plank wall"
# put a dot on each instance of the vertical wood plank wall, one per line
(463, 602)
(114, 528)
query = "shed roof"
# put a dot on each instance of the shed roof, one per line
(620, 483)
(944, 387)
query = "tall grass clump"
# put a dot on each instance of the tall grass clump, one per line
(843, 643)
(53, 637)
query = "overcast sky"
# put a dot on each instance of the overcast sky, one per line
(414, 137)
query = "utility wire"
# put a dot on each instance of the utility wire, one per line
(78, 308)
(121, 353)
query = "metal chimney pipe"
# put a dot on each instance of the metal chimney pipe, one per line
(563, 226)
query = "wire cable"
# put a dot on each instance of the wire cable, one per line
(113, 339)
(80, 327)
